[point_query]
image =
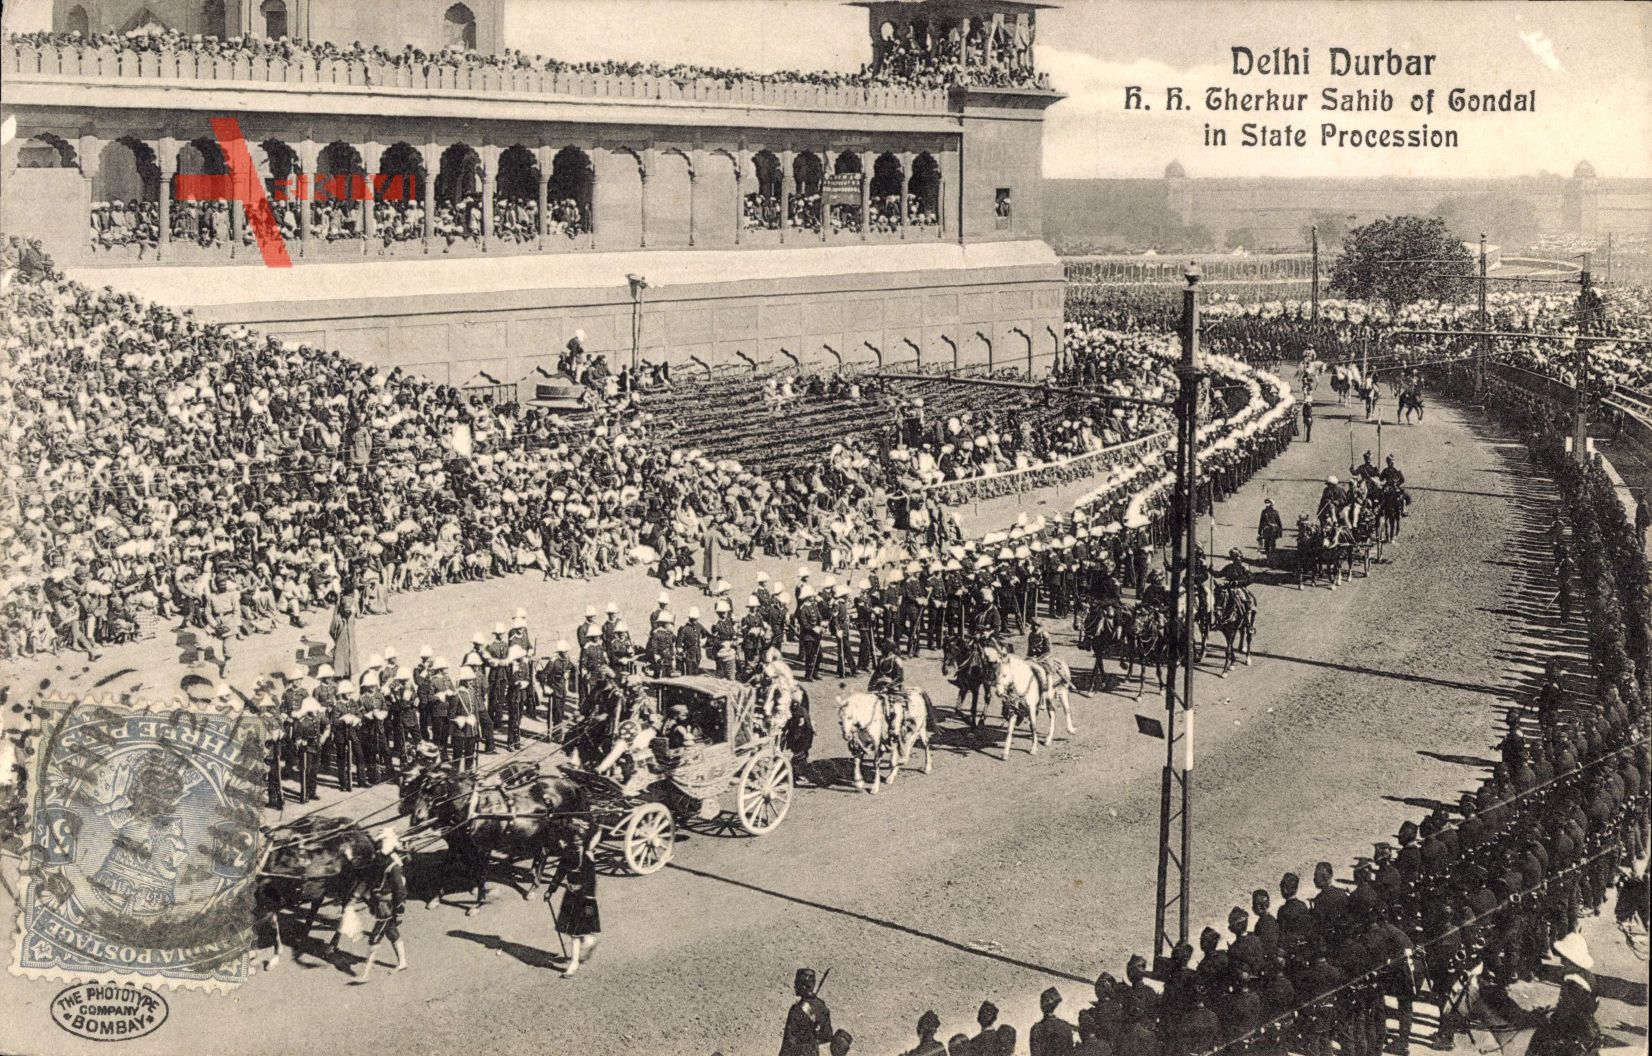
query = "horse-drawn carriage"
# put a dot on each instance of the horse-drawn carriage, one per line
(734, 750)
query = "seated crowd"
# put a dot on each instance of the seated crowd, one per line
(937, 69)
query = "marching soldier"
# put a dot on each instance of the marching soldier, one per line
(622, 653)
(347, 750)
(464, 718)
(440, 689)
(808, 620)
(772, 610)
(865, 618)
(724, 631)
(691, 643)
(310, 731)
(403, 731)
(808, 1021)
(519, 671)
(839, 618)
(556, 680)
(375, 710)
(276, 725)
(662, 644)
(914, 599)
(421, 685)
(496, 675)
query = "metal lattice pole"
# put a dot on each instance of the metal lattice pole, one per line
(1176, 788)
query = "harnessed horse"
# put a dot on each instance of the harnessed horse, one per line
(521, 813)
(875, 725)
(1147, 637)
(313, 861)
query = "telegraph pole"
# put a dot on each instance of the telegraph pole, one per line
(1580, 431)
(1176, 787)
(1313, 231)
(1485, 324)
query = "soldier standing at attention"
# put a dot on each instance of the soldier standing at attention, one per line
(808, 1021)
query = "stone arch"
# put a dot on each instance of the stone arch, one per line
(274, 13)
(925, 189)
(144, 17)
(667, 199)
(885, 193)
(459, 194)
(570, 192)
(128, 170)
(334, 212)
(716, 210)
(78, 22)
(46, 151)
(402, 165)
(460, 23)
(807, 175)
(847, 164)
(762, 204)
(202, 219)
(516, 195)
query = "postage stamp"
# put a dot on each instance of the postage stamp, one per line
(144, 844)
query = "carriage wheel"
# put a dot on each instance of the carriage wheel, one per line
(765, 793)
(649, 836)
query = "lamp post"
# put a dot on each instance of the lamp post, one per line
(638, 284)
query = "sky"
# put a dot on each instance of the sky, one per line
(1590, 65)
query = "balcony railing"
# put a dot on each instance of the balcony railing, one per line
(109, 63)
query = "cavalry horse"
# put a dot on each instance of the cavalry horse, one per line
(314, 861)
(1234, 615)
(1410, 400)
(1391, 503)
(1370, 395)
(1103, 629)
(1028, 688)
(974, 675)
(1147, 640)
(1342, 383)
(520, 813)
(874, 727)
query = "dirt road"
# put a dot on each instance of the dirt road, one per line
(985, 879)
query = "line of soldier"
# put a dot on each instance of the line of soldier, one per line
(1490, 891)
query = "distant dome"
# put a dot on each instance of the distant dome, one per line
(1583, 169)
(1174, 171)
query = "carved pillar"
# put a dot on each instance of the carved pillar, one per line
(740, 160)
(163, 244)
(308, 153)
(693, 184)
(371, 152)
(786, 188)
(906, 188)
(828, 166)
(865, 196)
(642, 201)
(544, 198)
(487, 174)
(432, 165)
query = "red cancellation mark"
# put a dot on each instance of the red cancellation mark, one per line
(242, 184)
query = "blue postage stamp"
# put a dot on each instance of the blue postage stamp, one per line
(145, 844)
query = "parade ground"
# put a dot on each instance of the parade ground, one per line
(985, 878)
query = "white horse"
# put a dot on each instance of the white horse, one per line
(870, 731)
(1028, 687)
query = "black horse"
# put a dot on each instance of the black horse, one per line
(974, 675)
(518, 813)
(313, 862)
(1103, 631)
(1410, 400)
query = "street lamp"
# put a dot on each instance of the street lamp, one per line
(638, 284)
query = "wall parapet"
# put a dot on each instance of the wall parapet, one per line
(49, 62)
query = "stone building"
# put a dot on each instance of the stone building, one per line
(463, 219)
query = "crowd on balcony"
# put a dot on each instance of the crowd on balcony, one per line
(937, 67)
(972, 52)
